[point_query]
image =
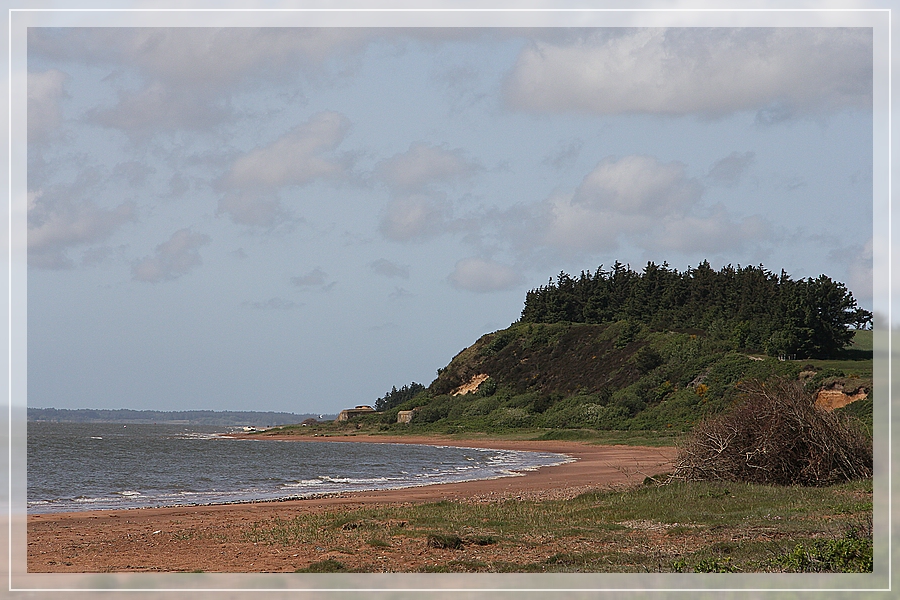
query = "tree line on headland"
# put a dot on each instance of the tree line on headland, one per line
(752, 306)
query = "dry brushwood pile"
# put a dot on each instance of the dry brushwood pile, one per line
(775, 435)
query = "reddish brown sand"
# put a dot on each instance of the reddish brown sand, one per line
(211, 538)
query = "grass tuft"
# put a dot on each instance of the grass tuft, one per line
(444, 541)
(325, 566)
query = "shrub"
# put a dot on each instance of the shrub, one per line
(510, 417)
(775, 435)
(487, 388)
(850, 553)
(484, 406)
(646, 359)
(480, 540)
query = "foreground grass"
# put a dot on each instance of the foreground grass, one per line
(680, 527)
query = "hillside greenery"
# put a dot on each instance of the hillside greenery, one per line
(567, 380)
(397, 397)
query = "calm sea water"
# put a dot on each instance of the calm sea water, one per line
(88, 466)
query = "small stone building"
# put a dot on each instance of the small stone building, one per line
(405, 416)
(349, 413)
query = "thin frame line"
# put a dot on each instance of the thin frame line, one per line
(477, 10)
(439, 10)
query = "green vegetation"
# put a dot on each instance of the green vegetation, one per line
(850, 554)
(396, 397)
(325, 566)
(583, 381)
(859, 412)
(751, 306)
(679, 527)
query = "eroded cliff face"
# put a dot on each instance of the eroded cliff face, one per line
(836, 397)
(471, 385)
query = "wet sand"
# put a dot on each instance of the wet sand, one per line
(210, 538)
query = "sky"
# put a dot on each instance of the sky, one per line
(298, 219)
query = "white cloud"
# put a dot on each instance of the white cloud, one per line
(728, 171)
(574, 226)
(386, 268)
(178, 185)
(134, 172)
(160, 107)
(254, 208)
(620, 197)
(297, 157)
(637, 185)
(693, 70)
(565, 155)
(45, 90)
(481, 275)
(417, 210)
(711, 233)
(634, 200)
(188, 74)
(414, 217)
(57, 223)
(858, 259)
(423, 165)
(316, 277)
(172, 259)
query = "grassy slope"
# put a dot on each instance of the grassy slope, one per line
(566, 380)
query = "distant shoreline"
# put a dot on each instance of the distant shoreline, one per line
(211, 418)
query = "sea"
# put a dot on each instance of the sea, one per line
(100, 466)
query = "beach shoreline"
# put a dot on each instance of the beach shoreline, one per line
(209, 537)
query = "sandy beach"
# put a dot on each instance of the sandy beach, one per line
(213, 538)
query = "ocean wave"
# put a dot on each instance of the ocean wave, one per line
(83, 500)
(194, 435)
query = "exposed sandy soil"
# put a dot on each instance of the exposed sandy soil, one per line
(834, 399)
(212, 538)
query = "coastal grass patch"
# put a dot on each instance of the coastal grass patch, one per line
(325, 566)
(448, 541)
(310, 529)
(682, 526)
(614, 437)
(468, 566)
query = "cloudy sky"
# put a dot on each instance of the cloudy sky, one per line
(297, 219)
